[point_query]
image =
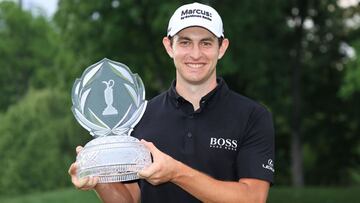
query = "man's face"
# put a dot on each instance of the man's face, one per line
(195, 52)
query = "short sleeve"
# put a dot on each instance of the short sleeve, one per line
(256, 153)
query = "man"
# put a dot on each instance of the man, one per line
(208, 143)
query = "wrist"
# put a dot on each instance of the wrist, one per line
(179, 171)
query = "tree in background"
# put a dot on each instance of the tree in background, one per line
(350, 88)
(38, 133)
(37, 141)
(27, 50)
(351, 83)
(321, 119)
(127, 31)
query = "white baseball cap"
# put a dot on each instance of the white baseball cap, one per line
(196, 14)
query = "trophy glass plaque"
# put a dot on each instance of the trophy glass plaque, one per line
(108, 101)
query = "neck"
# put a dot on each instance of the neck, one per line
(194, 92)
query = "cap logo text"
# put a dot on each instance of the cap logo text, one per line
(188, 13)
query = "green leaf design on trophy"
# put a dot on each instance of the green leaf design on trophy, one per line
(108, 101)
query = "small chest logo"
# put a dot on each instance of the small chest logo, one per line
(222, 143)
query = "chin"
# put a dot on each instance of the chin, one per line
(196, 81)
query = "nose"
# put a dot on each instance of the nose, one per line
(195, 52)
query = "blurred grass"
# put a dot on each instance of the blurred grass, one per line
(314, 195)
(276, 195)
(57, 196)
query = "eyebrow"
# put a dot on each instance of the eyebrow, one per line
(183, 38)
(204, 39)
(208, 39)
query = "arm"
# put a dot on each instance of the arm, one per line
(118, 192)
(203, 187)
(245, 190)
(108, 193)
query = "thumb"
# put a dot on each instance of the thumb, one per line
(147, 172)
(73, 168)
(78, 149)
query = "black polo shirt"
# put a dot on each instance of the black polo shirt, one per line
(229, 137)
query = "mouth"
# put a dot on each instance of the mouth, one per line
(195, 65)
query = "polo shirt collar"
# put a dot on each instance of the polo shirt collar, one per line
(208, 100)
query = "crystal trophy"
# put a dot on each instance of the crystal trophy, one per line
(108, 101)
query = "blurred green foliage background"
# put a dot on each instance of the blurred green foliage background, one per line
(297, 57)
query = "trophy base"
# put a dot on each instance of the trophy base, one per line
(113, 159)
(119, 178)
(110, 110)
(109, 174)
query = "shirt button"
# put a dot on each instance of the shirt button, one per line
(177, 105)
(189, 134)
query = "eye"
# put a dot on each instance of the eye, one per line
(206, 43)
(184, 42)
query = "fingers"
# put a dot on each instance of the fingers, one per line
(78, 149)
(150, 146)
(149, 171)
(87, 183)
(78, 183)
(72, 170)
(155, 169)
(93, 181)
(146, 143)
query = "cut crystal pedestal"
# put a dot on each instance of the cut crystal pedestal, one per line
(113, 159)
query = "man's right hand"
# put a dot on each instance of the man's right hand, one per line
(87, 183)
(108, 193)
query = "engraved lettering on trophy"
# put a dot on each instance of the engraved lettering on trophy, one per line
(109, 98)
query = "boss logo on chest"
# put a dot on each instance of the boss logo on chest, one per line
(223, 143)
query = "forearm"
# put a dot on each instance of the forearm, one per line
(118, 192)
(208, 189)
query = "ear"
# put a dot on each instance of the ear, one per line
(223, 48)
(167, 44)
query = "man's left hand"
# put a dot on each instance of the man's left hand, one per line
(163, 169)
